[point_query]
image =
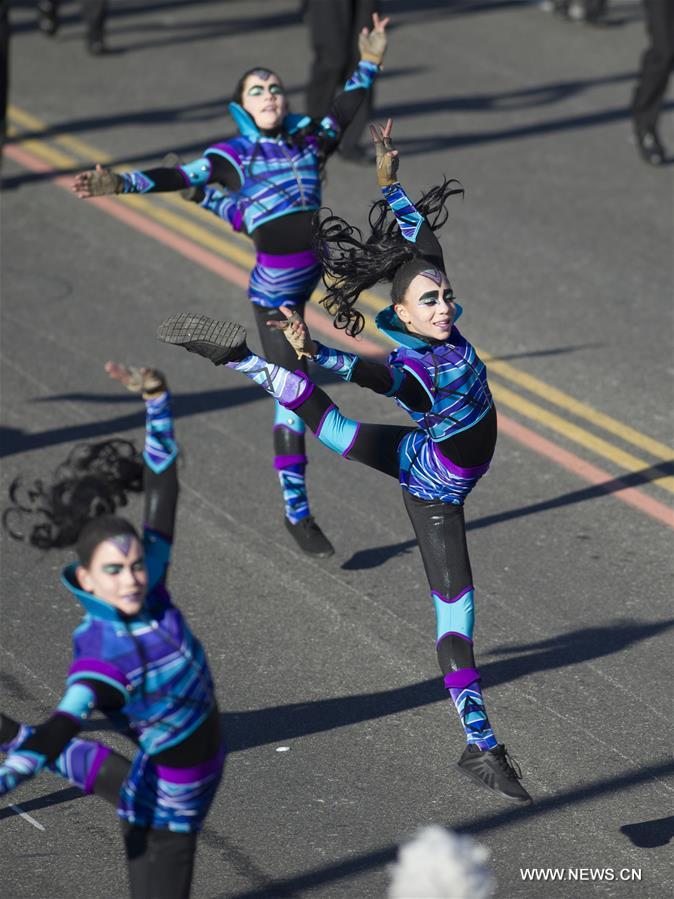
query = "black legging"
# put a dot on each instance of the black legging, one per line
(439, 527)
(160, 862)
(277, 350)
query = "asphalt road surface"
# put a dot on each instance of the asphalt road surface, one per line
(341, 740)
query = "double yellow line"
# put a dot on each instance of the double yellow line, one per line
(188, 220)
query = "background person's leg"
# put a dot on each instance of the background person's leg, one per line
(362, 18)
(94, 13)
(290, 459)
(329, 24)
(160, 862)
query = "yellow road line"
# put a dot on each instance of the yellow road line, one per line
(197, 233)
(557, 397)
(509, 372)
(572, 432)
(581, 410)
(88, 152)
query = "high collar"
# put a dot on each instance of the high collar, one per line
(93, 606)
(247, 127)
(388, 323)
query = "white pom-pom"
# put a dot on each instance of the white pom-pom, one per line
(439, 864)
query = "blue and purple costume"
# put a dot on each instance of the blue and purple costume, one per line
(443, 387)
(272, 184)
(147, 672)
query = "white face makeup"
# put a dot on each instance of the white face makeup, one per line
(117, 574)
(428, 309)
(264, 99)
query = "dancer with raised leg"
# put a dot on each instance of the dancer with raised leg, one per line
(271, 173)
(135, 658)
(436, 376)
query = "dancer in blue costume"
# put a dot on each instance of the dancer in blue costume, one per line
(436, 376)
(272, 175)
(134, 656)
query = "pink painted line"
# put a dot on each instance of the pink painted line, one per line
(585, 470)
(320, 322)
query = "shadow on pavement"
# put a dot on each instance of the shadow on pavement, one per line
(478, 825)
(615, 485)
(260, 727)
(649, 834)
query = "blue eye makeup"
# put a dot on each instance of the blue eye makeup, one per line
(112, 569)
(257, 90)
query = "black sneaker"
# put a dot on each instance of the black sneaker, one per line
(194, 194)
(649, 146)
(48, 17)
(218, 341)
(310, 538)
(495, 770)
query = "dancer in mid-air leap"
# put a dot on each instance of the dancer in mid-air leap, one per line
(436, 376)
(135, 658)
(272, 175)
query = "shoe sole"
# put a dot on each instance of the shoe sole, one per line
(187, 328)
(478, 780)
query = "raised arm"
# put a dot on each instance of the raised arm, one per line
(413, 226)
(372, 47)
(160, 476)
(216, 165)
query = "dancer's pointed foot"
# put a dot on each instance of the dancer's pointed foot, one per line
(310, 538)
(496, 771)
(219, 341)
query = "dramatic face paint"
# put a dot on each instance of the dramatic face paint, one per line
(433, 275)
(428, 309)
(117, 574)
(123, 543)
(263, 97)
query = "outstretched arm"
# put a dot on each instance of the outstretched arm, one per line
(372, 47)
(31, 749)
(367, 373)
(413, 226)
(213, 166)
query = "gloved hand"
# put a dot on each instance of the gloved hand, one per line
(147, 381)
(295, 332)
(386, 155)
(97, 183)
(372, 44)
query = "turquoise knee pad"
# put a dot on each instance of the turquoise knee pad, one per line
(285, 418)
(337, 432)
(456, 616)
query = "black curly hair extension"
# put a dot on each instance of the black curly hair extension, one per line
(93, 481)
(352, 264)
